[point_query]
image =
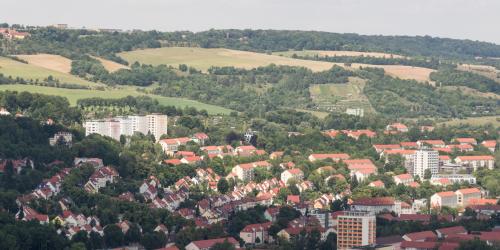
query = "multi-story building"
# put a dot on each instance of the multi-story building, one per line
(355, 229)
(156, 124)
(424, 159)
(444, 199)
(476, 161)
(64, 138)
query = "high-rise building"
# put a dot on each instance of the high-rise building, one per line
(155, 124)
(424, 159)
(356, 229)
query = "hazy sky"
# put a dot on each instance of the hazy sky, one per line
(471, 19)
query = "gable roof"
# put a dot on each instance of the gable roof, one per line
(209, 243)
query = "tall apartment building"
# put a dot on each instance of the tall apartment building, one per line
(355, 229)
(127, 125)
(424, 159)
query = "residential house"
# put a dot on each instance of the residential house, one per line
(444, 199)
(294, 173)
(476, 161)
(450, 231)
(466, 194)
(404, 179)
(171, 146)
(469, 141)
(490, 145)
(100, 178)
(399, 127)
(431, 143)
(377, 184)
(256, 233)
(381, 147)
(377, 205)
(200, 138)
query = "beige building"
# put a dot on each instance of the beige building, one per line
(355, 229)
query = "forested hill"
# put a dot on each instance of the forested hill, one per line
(67, 42)
(279, 40)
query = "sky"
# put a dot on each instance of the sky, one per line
(463, 19)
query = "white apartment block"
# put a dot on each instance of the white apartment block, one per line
(455, 178)
(424, 159)
(155, 124)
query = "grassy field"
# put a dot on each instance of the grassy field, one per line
(473, 92)
(335, 53)
(74, 94)
(203, 59)
(338, 97)
(13, 68)
(494, 120)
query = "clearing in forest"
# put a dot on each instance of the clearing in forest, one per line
(484, 70)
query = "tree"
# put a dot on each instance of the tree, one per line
(113, 236)
(223, 246)
(223, 186)
(154, 240)
(133, 235)
(475, 244)
(427, 174)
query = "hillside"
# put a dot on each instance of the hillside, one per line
(203, 59)
(13, 68)
(73, 95)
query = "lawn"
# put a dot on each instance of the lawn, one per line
(9, 67)
(203, 59)
(74, 94)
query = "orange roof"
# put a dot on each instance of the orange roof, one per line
(475, 157)
(358, 162)
(331, 133)
(446, 194)
(403, 176)
(295, 171)
(489, 143)
(482, 201)
(377, 183)
(400, 151)
(444, 157)
(466, 140)
(386, 146)
(408, 144)
(469, 190)
(376, 201)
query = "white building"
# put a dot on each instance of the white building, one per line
(156, 124)
(455, 178)
(424, 159)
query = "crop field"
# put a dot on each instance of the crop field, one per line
(9, 67)
(484, 70)
(110, 65)
(203, 59)
(48, 61)
(336, 53)
(74, 94)
(339, 97)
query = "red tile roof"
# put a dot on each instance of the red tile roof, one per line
(452, 230)
(446, 194)
(475, 157)
(469, 190)
(421, 235)
(209, 243)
